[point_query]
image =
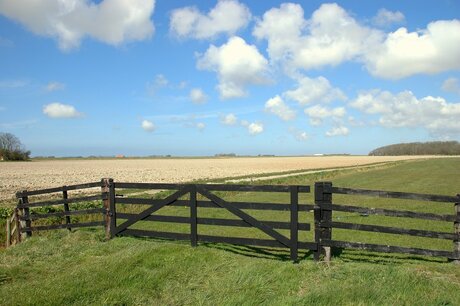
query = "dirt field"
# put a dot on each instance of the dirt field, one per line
(16, 176)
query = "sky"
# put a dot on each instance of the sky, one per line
(189, 78)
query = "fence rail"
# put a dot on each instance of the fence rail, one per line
(186, 195)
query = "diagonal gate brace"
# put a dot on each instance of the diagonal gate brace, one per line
(244, 216)
(144, 214)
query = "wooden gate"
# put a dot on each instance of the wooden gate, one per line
(186, 195)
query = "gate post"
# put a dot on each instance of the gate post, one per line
(294, 190)
(193, 217)
(456, 241)
(108, 201)
(323, 218)
(25, 214)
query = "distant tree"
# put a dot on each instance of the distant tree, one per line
(11, 148)
(419, 148)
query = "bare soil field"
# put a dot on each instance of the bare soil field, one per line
(15, 176)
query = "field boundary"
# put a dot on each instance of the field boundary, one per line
(20, 225)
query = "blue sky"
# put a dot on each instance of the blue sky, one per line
(147, 77)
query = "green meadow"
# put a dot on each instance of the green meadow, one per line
(82, 268)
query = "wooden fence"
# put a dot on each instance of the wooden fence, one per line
(186, 195)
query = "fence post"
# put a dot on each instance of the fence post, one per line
(18, 225)
(66, 206)
(8, 231)
(113, 211)
(26, 214)
(193, 217)
(323, 217)
(456, 250)
(294, 191)
(108, 196)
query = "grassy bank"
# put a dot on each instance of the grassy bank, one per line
(81, 268)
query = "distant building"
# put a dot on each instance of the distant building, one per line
(318, 154)
(119, 156)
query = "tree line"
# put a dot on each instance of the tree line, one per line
(11, 148)
(419, 148)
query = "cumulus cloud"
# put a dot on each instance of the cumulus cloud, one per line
(228, 16)
(298, 134)
(338, 131)
(237, 65)
(386, 17)
(314, 90)
(332, 36)
(229, 119)
(160, 81)
(200, 126)
(148, 125)
(404, 109)
(429, 51)
(69, 21)
(54, 86)
(277, 107)
(255, 128)
(198, 96)
(318, 113)
(451, 85)
(59, 110)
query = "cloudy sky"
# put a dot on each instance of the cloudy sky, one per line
(145, 77)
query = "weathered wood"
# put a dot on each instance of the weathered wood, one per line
(210, 204)
(396, 195)
(456, 240)
(213, 187)
(215, 221)
(58, 189)
(26, 213)
(144, 214)
(62, 201)
(392, 213)
(386, 248)
(294, 222)
(317, 237)
(112, 209)
(18, 225)
(62, 226)
(193, 218)
(245, 217)
(66, 206)
(389, 230)
(65, 213)
(105, 203)
(8, 232)
(323, 199)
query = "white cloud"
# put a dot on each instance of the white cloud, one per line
(385, 18)
(59, 110)
(198, 96)
(159, 82)
(228, 16)
(451, 85)
(200, 126)
(434, 114)
(338, 131)
(332, 36)
(277, 107)
(148, 126)
(54, 86)
(429, 51)
(69, 21)
(318, 113)
(314, 90)
(229, 119)
(298, 134)
(237, 65)
(255, 128)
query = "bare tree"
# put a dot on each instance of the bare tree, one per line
(11, 148)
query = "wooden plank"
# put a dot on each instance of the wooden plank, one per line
(66, 213)
(154, 234)
(62, 226)
(26, 214)
(210, 204)
(18, 225)
(245, 217)
(323, 199)
(215, 221)
(112, 209)
(193, 218)
(213, 187)
(392, 213)
(8, 232)
(386, 248)
(144, 214)
(389, 230)
(62, 201)
(58, 189)
(66, 207)
(396, 195)
(456, 239)
(294, 222)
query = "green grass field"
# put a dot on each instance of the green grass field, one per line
(82, 268)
